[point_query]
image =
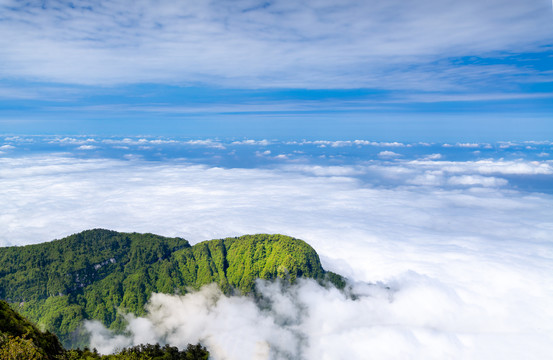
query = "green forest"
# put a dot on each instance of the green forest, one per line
(21, 340)
(98, 274)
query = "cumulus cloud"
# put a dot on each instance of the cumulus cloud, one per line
(143, 142)
(251, 142)
(343, 143)
(264, 153)
(388, 154)
(467, 258)
(162, 141)
(433, 157)
(87, 147)
(468, 145)
(430, 171)
(70, 140)
(208, 143)
(412, 316)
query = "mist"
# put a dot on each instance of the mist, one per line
(414, 316)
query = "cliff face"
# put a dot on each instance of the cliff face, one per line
(92, 274)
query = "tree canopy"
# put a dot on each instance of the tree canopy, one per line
(96, 273)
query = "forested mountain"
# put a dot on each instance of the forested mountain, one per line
(92, 274)
(21, 340)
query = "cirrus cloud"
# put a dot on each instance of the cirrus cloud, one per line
(289, 44)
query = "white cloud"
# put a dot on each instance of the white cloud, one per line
(388, 154)
(343, 143)
(429, 178)
(104, 341)
(468, 145)
(486, 167)
(264, 153)
(290, 44)
(507, 144)
(125, 142)
(208, 143)
(469, 266)
(433, 157)
(132, 156)
(476, 180)
(160, 141)
(428, 172)
(7, 147)
(515, 167)
(325, 170)
(252, 142)
(19, 139)
(391, 144)
(418, 317)
(87, 147)
(232, 327)
(70, 140)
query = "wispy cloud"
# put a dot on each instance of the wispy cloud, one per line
(263, 142)
(387, 154)
(289, 44)
(86, 147)
(343, 143)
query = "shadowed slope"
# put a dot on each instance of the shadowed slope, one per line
(19, 339)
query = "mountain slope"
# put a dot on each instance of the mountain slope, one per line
(19, 339)
(93, 274)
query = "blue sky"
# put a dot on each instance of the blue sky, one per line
(419, 71)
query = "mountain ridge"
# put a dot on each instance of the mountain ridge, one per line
(98, 273)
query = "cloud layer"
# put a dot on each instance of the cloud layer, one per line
(244, 43)
(467, 258)
(415, 317)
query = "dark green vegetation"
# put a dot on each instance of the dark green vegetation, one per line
(93, 274)
(21, 340)
(144, 352)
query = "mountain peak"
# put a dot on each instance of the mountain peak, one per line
(96, 273)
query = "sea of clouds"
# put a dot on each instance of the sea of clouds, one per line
(446, 259)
